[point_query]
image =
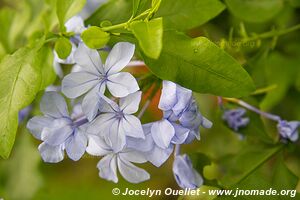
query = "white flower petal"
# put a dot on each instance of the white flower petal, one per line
(91, 102)
(162, 133)
(119, 57)
(37, 124)
(97, 146)
(76, 145)
(133, 156)
(168, 96)
(88, 59)
(101, 124)
(130, 103)
(108, 168)
(54, 105)
(51, 154)
(122, 84)
(132, 126)
(116, 138)
(58, 132)
(132, 173)
(158, 156)
(78, 83)
(75, 24)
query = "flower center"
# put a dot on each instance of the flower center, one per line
(119, 114)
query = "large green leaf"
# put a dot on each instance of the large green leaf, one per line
(183, 14)
(179, 14)
(255, 10)
(200, 65)
(67, 8)
(149, 35)
(20, 81)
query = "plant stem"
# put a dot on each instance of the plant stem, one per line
(177, 150)
(117, 26)
(125, 24)
(254, 109)
(273, 33)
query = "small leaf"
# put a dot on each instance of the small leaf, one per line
(94, 37)
(149, 35)
(65, 9)
(256, 11)
(200, 65)
(63, 47)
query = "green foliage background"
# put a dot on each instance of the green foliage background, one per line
(227, 48)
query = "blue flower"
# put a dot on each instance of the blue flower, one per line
(95, 76)
(112, 161)
(235, 119)
(154, 153)
(288, 130)
(57, 130)
(181, 111)
(185, 175)
(117, 121)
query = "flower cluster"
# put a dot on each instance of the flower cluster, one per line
(103, 122)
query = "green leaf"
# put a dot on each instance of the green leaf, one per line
(236, 168)
(63, 47)
(137, 6)
(6, 19)
(184, 15)
(149, 35)
(256, 11)
(65, 9)
(116, 11)
(45, 60)
(94, 37)
(283, 79)
(200, 65)
(282, 177)
(20, 81)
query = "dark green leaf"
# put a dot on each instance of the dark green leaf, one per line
(149, 35)
(20, 81)
(63, 47)
(94, 37)
(200, 65)
(183, 15)
(255, 10)
(116, 11)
